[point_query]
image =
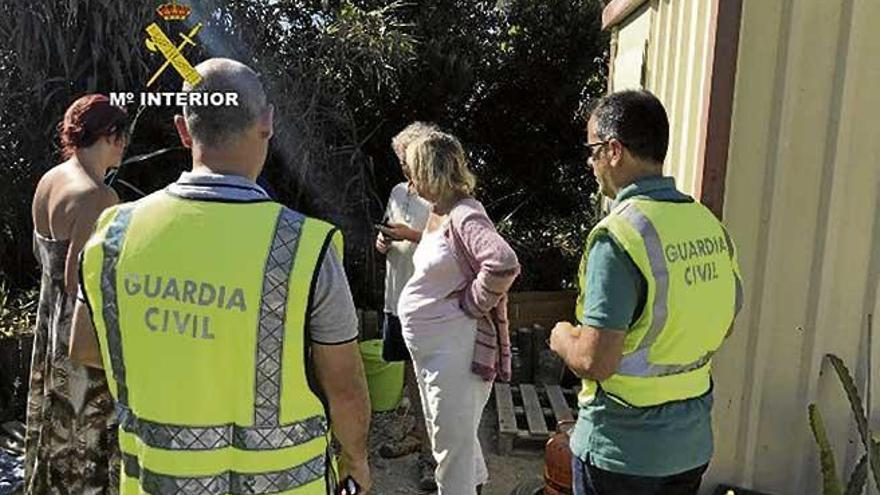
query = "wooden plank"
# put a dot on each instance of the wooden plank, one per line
(504, 404)
(534, 414)
(506, 418)
(520, 411)
(558, 403)
(531, 438)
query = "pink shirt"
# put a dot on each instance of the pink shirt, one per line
(425, 304)
(466, 256)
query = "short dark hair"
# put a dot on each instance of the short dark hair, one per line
(637, 119)
(213, 126)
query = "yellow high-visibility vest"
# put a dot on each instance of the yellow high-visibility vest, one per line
(694, 291)
(201, 311)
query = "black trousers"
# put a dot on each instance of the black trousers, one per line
(590, 480)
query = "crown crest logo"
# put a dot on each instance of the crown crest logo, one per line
(173, 11)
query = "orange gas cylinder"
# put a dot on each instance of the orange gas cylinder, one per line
(557, 461)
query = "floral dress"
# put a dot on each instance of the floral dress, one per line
(71, 445)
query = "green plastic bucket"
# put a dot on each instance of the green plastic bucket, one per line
(384, 379)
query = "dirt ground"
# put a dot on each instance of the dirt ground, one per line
(399, 476)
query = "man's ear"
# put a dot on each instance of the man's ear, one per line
(267, 123)
(183, 131)
(615, 151)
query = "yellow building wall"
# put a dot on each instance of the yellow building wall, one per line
(802, 200)
(664, 48)
(631, 51)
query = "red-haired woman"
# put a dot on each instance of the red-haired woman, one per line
(71, 443)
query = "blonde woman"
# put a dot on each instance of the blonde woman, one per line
(453, 310)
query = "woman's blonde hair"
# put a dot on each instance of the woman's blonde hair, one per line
(439, 167)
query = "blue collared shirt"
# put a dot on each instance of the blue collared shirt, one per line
(217, 187)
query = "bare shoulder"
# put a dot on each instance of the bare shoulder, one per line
(93, 196)
(47, 182)
(49, 200)
(40, 205)
(67, 183)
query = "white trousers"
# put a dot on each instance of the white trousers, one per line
(453, 398)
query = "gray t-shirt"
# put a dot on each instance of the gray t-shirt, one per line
(333, 317)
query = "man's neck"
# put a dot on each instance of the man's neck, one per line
(202, 168)
(224, 163)
(640, 172)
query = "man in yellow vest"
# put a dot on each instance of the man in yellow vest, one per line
(224, 321)
(659, 289)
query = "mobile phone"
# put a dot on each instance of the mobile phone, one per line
(385, 230)
(349, 487)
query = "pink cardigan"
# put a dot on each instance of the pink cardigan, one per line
(490, 264)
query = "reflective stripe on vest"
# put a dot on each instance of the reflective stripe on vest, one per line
(738, 304)
(267, 433)
(110, 311)
(229, 482)
(273, 309)
(173, 437)
(636, 363)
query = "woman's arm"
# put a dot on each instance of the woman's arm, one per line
(497, 264)
(403, 232)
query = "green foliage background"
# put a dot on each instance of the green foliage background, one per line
(508, 77)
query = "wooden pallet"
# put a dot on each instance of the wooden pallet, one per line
(528, 414)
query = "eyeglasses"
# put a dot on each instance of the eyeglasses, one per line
(589, 147)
